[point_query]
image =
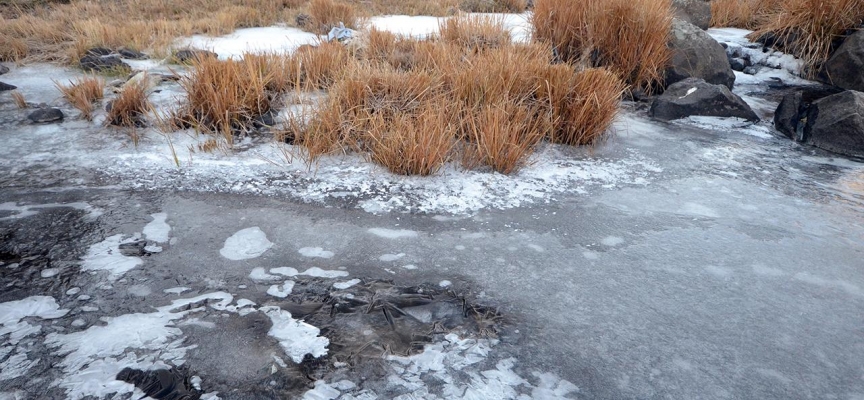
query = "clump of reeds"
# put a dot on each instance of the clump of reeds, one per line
(475, 32)
(629, 37)
(747, 14)
(493, 6)
(82, 92)
(809, 29)
(131, 106)
(20, 102)
(328, 14)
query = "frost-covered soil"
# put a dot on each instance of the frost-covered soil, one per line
(705, 258)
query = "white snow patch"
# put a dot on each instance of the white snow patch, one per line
(346, 284)
(283, 291)
(409, 266)
(321, 273)
(271, 39)
(322, 391)
(287, 271)
(158, 229)
(297, 338)
(106, 256)
(93, 357)
(246, 244)
(393, 233)
(315, 252)
(390, 257)
(12, 312)
(177, 290)
(73, 291)
(260, 274)
(445, 283)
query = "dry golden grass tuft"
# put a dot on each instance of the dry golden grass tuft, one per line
(82, 92)
(475, 32)
(320, 66)
(808, 28)
(449, 100)
(130, 106)
(747, 14)
(20, 102)
(493, 6)
(629, 37)
(327, 14)
(225, 96)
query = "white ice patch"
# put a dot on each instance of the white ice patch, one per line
(445, 283)
(93, 357)
(252, 40)
(260, 274)
(49, 272)
(409, 266)
(315, 252)
(391, 257)
(106, 256)
(393, 233)
(283, 291)
(346, 284)
(176, 290)
(11, 314)
(287, 271)
(321, 273)
(297, 338)
(246, 244)
(158, 229)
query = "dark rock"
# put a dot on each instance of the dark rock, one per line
(845, 68)
(787, 118)
(189, 55)
(103, 63)
(45, 115)
(3, 69)
(696, 12)
(5, 86)
(133, 249)
(753, 70)
(836, 123)
(132, 54)
(695, 54)
(694, 96)
(737, 64)
(98, 51)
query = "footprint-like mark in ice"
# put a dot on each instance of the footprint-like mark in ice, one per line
(158, 229)
(246, 244)
(315, 252)
(393, 233)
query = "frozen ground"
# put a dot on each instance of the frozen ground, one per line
(706, 258)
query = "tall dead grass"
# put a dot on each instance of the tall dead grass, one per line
(82, 92)
(808, 29)
(130, 107)
(475, 32)
(327, 14)
(746, 14)
(629, 37)
(413, 105)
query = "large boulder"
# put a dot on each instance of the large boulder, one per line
(787, 118)
(694, 96)
(845, 68)
(836, 123)
(696, 12)
(97, 63)
(695, 54)
(5, 86)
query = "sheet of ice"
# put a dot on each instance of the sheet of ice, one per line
(297, 338)
(246, 244)
(106, 256)
(12, 312)
(260, 274)
(49, 272)
(321, 273)
(281, 291)
(425, 26)
(315, 252)
(158, 229)
(393, 233)
(346, 284)
(93, 357)
(409, 266)
(273, 39)
(287, 271)
(776, 64)
(391, 257)
(25, 211)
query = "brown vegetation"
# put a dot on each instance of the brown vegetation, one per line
(82, 92)
(627, 36)
(20, 102)
(130, 106)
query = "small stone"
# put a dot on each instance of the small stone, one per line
(45, 115)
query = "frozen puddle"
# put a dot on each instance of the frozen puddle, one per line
(246, 244)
